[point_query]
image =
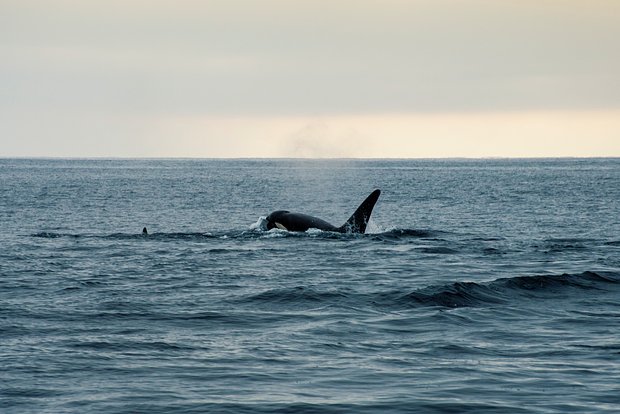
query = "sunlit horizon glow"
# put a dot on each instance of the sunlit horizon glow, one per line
(309, 79)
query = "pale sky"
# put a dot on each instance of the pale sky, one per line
(309, 78)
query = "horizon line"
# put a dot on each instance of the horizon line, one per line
(147, 158)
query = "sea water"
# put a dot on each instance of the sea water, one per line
(482, 286)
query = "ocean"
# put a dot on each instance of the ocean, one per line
(481, 286)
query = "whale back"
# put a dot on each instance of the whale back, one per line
(286, 220)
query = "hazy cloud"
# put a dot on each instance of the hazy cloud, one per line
(118, 63)
(283, 57)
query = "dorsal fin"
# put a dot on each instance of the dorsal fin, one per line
(359, 220)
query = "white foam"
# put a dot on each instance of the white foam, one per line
(372, 228)
(261, 224)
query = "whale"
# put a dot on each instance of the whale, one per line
(286, 220)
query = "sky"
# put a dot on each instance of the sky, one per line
(309, 78)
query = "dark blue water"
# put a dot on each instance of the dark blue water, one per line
(487, 286)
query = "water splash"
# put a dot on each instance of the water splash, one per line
(260, 224)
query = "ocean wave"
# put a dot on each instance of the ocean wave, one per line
(297, 295)
(255, 232)
(52, 235)
(506, 290)
(388, 235)
(399, 234)
(133, 346)
(129, 236)
(453, 295)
